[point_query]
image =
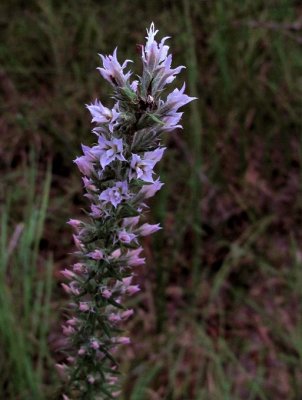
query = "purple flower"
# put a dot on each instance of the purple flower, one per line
(147, 229)
(108, 150)
(133, 257)
(84, 306)
(177, 99)
(68, 274)
(95, 344)
(171, 121)
(148, 191)
(72, 321)
(106, 293)
(142, 168)
(134, 86)
(114, 317)
(115, 255)
(96, 211)
(68, 330)
(91, 379)
(126, 314)
(116, 194)
(168, 109)
(75, 223)
(88, 184)
(122, 340)
(130, 222)
(96, 254)
(127, 281)
(103, 115)
(157, 62)
(78, 243)
(72, 288)
(84, 165)
(153, 54)
(126, 237)
(62, 369)
(133, 289)
(79, 268)
(155, 155)
(113, 71)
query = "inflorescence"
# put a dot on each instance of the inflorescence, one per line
(118, 177)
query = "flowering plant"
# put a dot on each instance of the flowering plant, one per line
(118, 177)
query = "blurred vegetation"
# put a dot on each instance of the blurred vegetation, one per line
(219, 316)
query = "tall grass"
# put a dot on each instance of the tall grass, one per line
(195, 142)
(26, 278)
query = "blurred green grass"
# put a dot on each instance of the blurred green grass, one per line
(25, 293)
(219, 316)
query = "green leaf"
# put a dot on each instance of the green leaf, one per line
(127, 211)
(155, 118)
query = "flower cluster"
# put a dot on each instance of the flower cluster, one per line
(118, 177)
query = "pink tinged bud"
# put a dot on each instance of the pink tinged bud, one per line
(88, 184)
(82, 351)
(75, 223)
(62, 370)
(112, 380)
(106, 293)
(79, 268)
(96, 212)
(91, 379)
(147, 229)
(127, 281)
(89, 196)
(116, 254)
(133, 257)
(123, 340)
(67, 274)
(70, 359)
(71, 288)
(65, 397)
(134, 85)
(126, 237)
(66, 288)
(84, 307)
(88, 152)
(72, 321)
(95, 344)
(96, 255)
(84, 165)
(149, 190)
(78, 243)
(130, 222)
(127, 314)
(114, 317)
(116, 394)
(68, 330)
(133, 289)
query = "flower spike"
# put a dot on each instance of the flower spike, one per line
(118, 177)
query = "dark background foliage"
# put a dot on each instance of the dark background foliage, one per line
(219, 316)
